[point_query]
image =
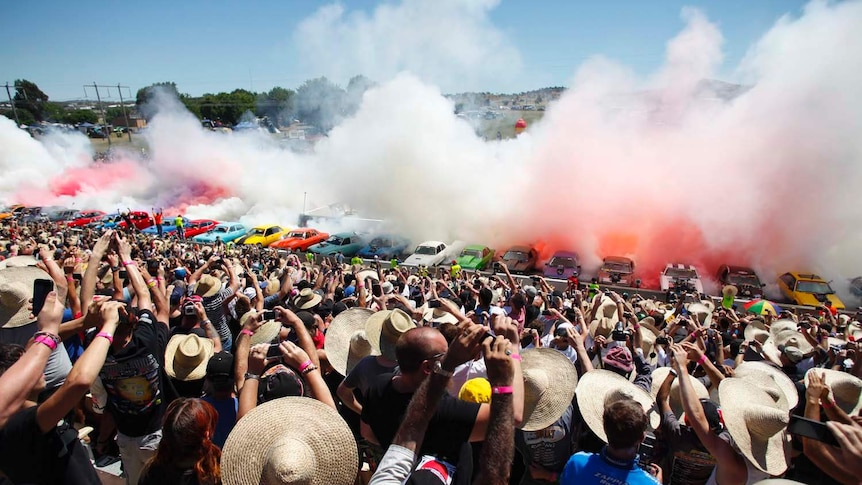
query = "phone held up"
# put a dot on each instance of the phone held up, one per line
(41, 288)
(808, 428)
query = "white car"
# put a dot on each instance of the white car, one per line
(429, 253)
(681, 277)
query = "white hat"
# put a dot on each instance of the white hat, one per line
(600, 387)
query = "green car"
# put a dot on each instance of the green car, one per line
(475, 257)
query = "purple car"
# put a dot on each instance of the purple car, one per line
(563, 265)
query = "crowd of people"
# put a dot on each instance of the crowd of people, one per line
(244, 365)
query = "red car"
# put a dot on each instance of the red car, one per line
(199, 226)
(140, 219)
(85, 217)
(300, 239)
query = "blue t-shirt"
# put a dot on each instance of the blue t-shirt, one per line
(227, 409)
(598, 468)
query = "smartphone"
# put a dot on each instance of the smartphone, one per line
(41, 288)
(77, 277)
(646, 450)
(377, 290)
(123, 274)
(434, 304)
(809, 428)
(268, 315)
(273, 352)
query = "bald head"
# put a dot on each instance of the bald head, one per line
(417, 345)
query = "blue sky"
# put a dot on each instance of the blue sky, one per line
(210, 46)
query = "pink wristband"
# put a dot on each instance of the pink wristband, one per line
(48, 341)
(246, 331)
(516, 357)
(828, 404)
(129, 263)
(305, 365)
(107, 336)
(702, 359)
(502, 390)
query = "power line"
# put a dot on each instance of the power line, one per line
(102, 108)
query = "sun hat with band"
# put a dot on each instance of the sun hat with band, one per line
(207, 286)
(291, 440)
(16, 290)
(306, 299)
(675, 399)
(266, 333)
(846, 389)
(600, 388)
(549, 386)
(384, 328)
(187, 356)
(346, 342)
(756, 419)
(767, 376)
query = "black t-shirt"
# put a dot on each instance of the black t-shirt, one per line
(448, 430)
(159, 475)
(135, 380)
(28, 456)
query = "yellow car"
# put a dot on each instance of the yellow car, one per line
(11, 211)
(808, 289)
(263, 235)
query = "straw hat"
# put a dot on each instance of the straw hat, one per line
(291, 440)
(702, 312)
(306, 299)
(649, 324)
(16, 290)
(368, 273)
(729, 291)
(186, 357)
(383, 329)
(846, 389)
(266, 333)
(346, 342)
(757, 423)
(549, 386)
(768, 377)
(658, 377)
(20, 261)
(602, 326)
(708, 304)
(791, 337)
(600, 387)
(608, 308)
(438, 315)
(207, 286)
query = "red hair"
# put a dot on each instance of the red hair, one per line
(188, 426)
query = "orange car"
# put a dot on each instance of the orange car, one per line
(300, 239)
(11, 212)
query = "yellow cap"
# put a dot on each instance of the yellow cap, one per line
(476, 390)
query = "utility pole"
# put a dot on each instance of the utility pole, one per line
(14, 111)
(123, 104)
(104, 117)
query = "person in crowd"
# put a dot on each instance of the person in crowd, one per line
(210, 289)
(219, 389)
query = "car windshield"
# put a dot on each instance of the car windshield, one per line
(220, 229)
(564, 262)
(472, 253)
(380, 242)
(515, 256)
(743, 279)
(680, 273)
(335, 240)
(813, 287)
(297, 234)
(613, 267)
(426, 250)
(258, 232)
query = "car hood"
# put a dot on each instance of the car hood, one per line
(468, 261)
(377, 250)
(556, 272)
(422, 259)
(810, 299)
(517, 265)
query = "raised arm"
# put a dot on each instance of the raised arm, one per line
(499, 449)
(88, 284)
(134, 275)
(300, 360)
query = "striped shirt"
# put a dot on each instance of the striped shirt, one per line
(215, 312)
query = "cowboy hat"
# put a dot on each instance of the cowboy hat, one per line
(384, 328)
(767, 376)
(20, 261)
(729, 291)
(846, 389)
(702, 312)
(601, 326)
(757, 421)
(207, 286)
(549, 386)
(186, 357)
(368, 273)
(290, 440)
(438, 315)
(346, 342)
(307, 299)
(658, 377)
(600, 387)
(266, 333)
(16, 290)
(791, 338)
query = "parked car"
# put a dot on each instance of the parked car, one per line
(107, 221)
(140, 219)
(199, 226)
(476, 257)
(226, 232)
(300, 239)
(744, 279)
(520, 259)
(82, 218)
(262, 235)
(59, 214)
(808, 289)
(346, 243)
(385, 247)
(856, 287)
(169, 226)
(617, 270)
(11, 211)
(429, 253)
(563, 265)
(31, 214)
(681, 278)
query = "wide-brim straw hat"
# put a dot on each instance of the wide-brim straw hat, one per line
(702, 312)
(266, 333)
(437, 315)
(290, 440)
(16, 290)
(383, 329)
(846, 389)
(729, 290)
(600, 387)
(549, 386)
(757, 423)
(368, 273)
(306, 299)
(675, 399)
(608, 309)
(602, 326)
(766, 376)
(346, 342)
(187, 356)
(791, 337)
(207, 286)
(19, 262)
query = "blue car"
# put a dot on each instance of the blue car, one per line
(385, 246)
(168, 226)
(226, 231)
(108, 221)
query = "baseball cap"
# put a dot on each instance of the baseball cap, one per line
(792, 353)
(531, 291)
(279, 381)
(476, 390)
(619, 358)
(220, 364)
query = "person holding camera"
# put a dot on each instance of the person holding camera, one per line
(213, 294)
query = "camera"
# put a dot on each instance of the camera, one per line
(189, 309)
(645, 451)
(662, 341)
(434, 304)
(620, 334)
